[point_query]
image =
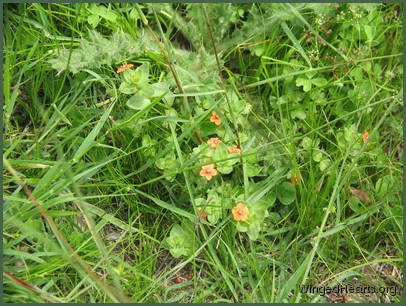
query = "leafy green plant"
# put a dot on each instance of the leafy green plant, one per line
(181, 241)
(96, 52)
(201, 152)
(136, 83)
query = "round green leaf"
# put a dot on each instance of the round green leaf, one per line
(306, 83)
(286, 193)
(298, 113)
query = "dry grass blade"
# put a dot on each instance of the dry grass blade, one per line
(360, 195)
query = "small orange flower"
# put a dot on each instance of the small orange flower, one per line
(203, 214)
(208, 171)
(234, 150)
(294, 179)
(124, 67)
(365, 136)
(215, 118)
(214, 142)
(240, 212)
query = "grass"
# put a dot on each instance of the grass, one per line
(103, 197)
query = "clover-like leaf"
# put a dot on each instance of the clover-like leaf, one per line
(306, 83)
(317, 155)
(298, 113)
(324, 164)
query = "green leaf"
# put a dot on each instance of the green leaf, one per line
(298, 113)
(286, 193)
(242, 226)
(355, 205)
(90, 139)
(317, 155)
(384, 185)
(142, 74)
(306, 83)
(160, 89)
(224, 168)
(104, 12)
(319, 82)
(93, 20)
(147, 91)
(128, 88)
(370, 31)
(253, 232)
(324, 164)
(134, 14)
(213, 210)
(138, 77)
(138, 102)
(309, 143)
(253, 169)
(23, 255)
(274, 217)
(180, 241)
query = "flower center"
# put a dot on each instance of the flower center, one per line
(240, 212)
(208, 171)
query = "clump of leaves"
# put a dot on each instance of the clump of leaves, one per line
(136, 83)
(95, 52)
(181, 241)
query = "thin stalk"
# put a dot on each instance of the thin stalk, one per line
(168, 60)
(223, 85)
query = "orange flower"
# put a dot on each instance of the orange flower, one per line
(215, 118)
(234, 150)
(208, 171)
(365, 136)
(124, 67)
(203, 214)
(240, 212)
(214, 142)
(294, 179)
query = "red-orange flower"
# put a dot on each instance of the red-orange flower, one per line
(294, 179)
(214, 142)
(208, 171)
(124, 67)
(203, 214)
(240, 212)
(234, 150)
(365, 136)
(215, 118)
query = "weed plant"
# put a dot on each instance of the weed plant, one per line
(202, 152)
